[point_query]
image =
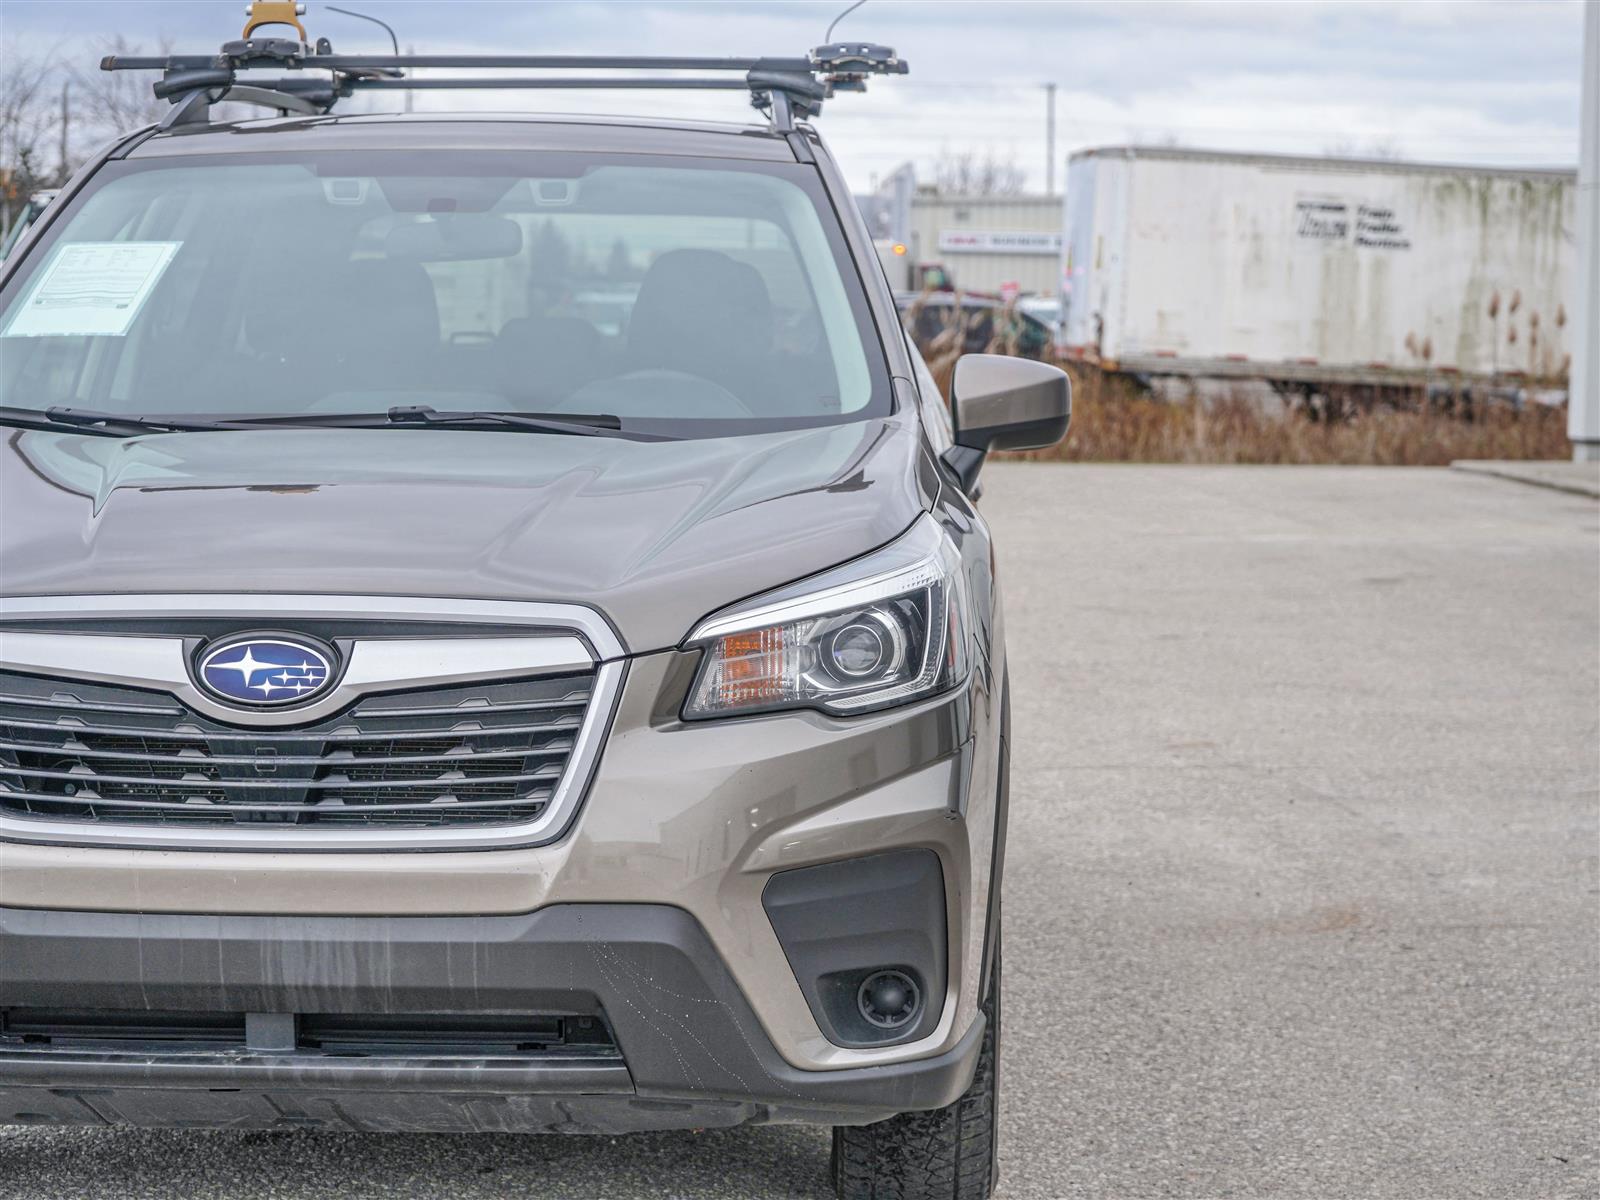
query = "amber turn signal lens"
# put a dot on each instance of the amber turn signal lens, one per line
(752, 668)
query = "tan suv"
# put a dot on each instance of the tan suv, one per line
(425, 707)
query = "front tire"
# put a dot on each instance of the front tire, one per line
(946, 1154)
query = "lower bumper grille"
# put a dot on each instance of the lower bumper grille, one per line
(466, 755)
(382, 1035)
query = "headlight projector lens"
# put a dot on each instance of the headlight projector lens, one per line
(868, 646)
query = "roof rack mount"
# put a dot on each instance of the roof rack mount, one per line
(787, 89)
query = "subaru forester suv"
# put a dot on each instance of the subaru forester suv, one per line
(496, 636)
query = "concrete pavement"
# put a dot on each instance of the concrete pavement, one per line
(1579, 478)
(1302, 897)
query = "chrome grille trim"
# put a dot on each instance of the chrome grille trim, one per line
(154, 710)
(335, 782)
(572, 641)
(273, 809)
(372, 665)
(602, 639)
(559, 794)
(197, 735)
(290, 760)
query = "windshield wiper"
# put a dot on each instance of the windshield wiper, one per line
(585, 425)
(103, 424)
(100, 424)
(418, 416)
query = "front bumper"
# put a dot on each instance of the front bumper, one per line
(692, 819)
(692, 1053)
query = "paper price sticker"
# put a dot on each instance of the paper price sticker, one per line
(92, 289)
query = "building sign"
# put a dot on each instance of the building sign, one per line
(986, 241)
(1325, 219)
(1379, 228)
(1322, 220)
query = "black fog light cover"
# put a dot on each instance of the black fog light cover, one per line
(866, 939)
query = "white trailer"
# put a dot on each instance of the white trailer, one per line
(1316, 270)
(1583, 413)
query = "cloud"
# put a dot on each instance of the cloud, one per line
(1489, 82)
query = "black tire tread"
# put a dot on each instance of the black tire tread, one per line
(946, 1154)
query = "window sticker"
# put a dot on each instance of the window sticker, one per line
(92, 289)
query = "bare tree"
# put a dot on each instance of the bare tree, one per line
(29, 117)
(966, 174)
(52, 112)
(114, 102)
(1380, 149)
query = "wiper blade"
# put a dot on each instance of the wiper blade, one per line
(104, 424)
(406, 416)
(597, 425)
(99, 424)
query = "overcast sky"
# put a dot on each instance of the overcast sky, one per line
(1485, 82)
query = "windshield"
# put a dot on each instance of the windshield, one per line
(692, 297)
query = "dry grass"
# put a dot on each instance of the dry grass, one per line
(1113, 420)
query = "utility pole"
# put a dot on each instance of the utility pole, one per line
(1583, 397)
(1050, 140)
(66, 130)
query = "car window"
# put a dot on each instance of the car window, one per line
(699, 296)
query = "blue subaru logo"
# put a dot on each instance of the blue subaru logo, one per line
(261, 671)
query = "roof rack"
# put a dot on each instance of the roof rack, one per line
(787, 89)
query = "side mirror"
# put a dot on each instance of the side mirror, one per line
(1002, 403)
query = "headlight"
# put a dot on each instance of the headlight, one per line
(883, 630)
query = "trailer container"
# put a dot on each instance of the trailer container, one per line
(1316, 270)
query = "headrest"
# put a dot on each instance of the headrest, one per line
(702, 312)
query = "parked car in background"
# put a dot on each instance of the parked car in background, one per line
(1044, 309)
(977, 324)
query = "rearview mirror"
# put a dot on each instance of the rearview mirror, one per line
(998, 402)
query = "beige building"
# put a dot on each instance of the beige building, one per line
(982, 242)
(986, 242)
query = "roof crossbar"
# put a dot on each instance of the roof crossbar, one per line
(788, 89)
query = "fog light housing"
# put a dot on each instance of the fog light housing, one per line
(889, 999)
(866, 939)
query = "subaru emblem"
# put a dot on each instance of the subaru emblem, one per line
(264, 671)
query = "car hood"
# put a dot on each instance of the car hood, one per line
(654, 535)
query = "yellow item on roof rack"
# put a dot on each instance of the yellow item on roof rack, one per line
(274, 12)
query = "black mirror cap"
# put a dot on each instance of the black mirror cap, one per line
(1004, 403)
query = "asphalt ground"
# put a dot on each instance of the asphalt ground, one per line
(1302, 898)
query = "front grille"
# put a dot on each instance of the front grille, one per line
(467, 755)
(411, 1036)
